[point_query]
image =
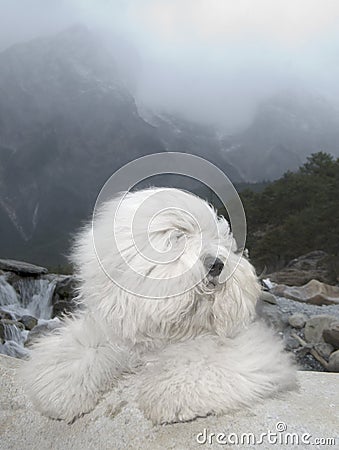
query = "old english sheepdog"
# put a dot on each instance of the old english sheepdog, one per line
(167, 299)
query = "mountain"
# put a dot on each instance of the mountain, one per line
(178, 134)
(286, 129)
(67, 122)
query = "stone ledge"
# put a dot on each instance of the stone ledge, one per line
(21, 267)
(116, 424)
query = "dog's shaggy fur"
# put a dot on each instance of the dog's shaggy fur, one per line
(198, 353)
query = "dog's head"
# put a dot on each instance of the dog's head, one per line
(165, 249)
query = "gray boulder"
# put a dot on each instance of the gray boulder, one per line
(5, 315)
(117, 423)
(331, 335)
(272, 315)
(63, 297)
(324, 349)
(291, 343)
(297, 320)
(316, 325)
(21, 268)
(333, 363)
(29, 322)
(314, 292)
(268, 297)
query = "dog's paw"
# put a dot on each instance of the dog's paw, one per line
(165, 397)
(59, 391)
(70, 369)
(162, 408)
(61, 398)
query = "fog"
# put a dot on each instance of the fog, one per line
(209, 60)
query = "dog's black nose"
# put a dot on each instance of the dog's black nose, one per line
(214, 266)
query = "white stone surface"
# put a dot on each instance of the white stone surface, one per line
(117, 424)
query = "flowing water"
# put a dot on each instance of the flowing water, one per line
(32, 297)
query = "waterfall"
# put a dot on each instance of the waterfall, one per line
(14, 333)
(8, 296)
(12, 348)
(33, 297)
(36, 296)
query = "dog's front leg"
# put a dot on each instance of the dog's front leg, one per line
(70, 368)
(209, 376)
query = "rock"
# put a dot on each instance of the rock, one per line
(41, 330)
(21, 268)
(314, 292)
(315, 326)
(23, 427)
(65, 286)
(5, 315)
(12, 278)
(12, 322)
(331, 335)
(29, 322)
(291, 343)
(7, 322)
(333, 362)
(280, 290)
(297, 320)
(316, 265)
(63, 307)
(324, 350)
(272, 315)
(293, 277)
(268, 297)
(63, 298)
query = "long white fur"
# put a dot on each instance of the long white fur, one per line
(198, 353)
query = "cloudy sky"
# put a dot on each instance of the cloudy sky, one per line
(211, 60)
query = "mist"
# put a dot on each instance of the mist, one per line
(210, 61)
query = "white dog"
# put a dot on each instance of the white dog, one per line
(165, 296)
